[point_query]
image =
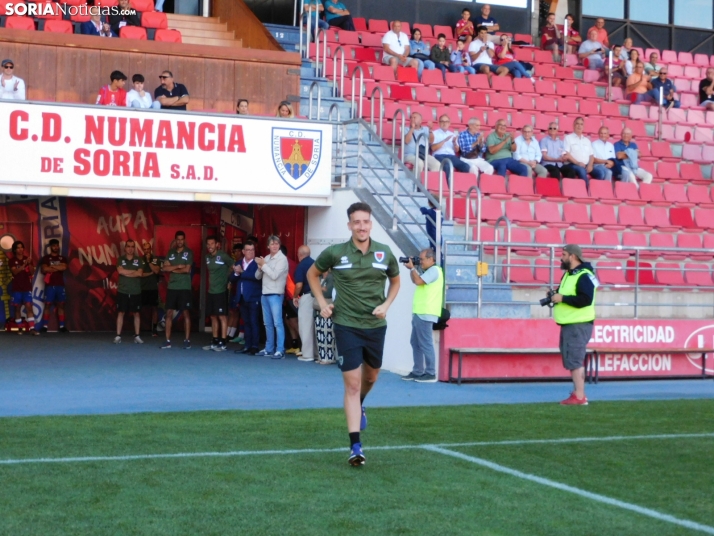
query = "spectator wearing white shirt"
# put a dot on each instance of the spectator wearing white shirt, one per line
(444, 145)
(473, 148)
(592, 50)
(396, 48)
(414, 143)
(553, 151)
(528, 152)
(138, 98)
(12, 87)
(482, 52)
(604, 155)
(579, 153)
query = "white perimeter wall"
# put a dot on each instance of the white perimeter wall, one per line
(328, 225)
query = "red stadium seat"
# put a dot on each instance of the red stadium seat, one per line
(545, 104)
(490, 210)
(452, 96)
(698, 274)
(432, 77)
(479, 81)
(577, 216)
(368, 39)
(610, 273)
(360, 24)
(502, 83)
(550, 189)
(522, 187)
(378, 26)
(549, 214)
(604, 216)
(676, 194)
(349, 38)
(364, 55)
(143, 6)
(699, 195)
(463, 181)
(168, 36)
(494, 186)
(629, 193)
(520, 271)
(59, 26)
(544, 269)
(662, 241)
(407, 75)
(682, 217)
(425, 29)
(602, 191)
(133, 32)
(523, 236)
(427, 95)
(578, 236)
(652, 193)
(523, 102)
(658, 218)
(644, 274)
(80, 18)
(519, 212)
(548, 236)
(16, 22)
(383, 73)
(446, 30)
(499, 101)
(631, 217)
(456, 80)
(524, 86)
(575, 190)
(610, 239)
(669, 273)
(153, 19)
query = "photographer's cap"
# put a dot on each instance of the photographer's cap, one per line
(5, 62)
(574, 249)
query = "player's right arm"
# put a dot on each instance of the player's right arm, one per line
(320, 266)
(45, 267)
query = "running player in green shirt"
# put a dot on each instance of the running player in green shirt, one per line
(178, 264)
(219, 265)
(360, 268)
(131, 270)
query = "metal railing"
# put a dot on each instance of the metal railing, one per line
(634, 268)
(341, 51)
(361, 92)
(379, 127)
(314, 85)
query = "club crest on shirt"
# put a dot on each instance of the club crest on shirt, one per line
(344, 260)
(379, 256)
(296, 155)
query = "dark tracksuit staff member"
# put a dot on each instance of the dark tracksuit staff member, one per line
(219, 265)
(249, 291)
(360, 268)
(574, 312)
(178, 264)
(131, 269)
(150, 285)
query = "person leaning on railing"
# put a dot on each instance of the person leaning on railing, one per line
(574, 312)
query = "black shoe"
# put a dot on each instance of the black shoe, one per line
(426, 378)
(43, 329)
(410, 377)
(253, 351)
(63, 329)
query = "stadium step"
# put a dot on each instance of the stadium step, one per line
(203, 30)
(287, 36)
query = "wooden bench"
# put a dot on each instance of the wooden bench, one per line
(589, 365)
(597, 350)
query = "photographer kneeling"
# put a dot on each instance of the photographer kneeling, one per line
(426, 309)
(574, 312)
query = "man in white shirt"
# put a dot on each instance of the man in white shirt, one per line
(415, 134)
(396, 48)
(138, 98)
(592, 50)
(579, 153)
(11, 87)
(444, 145)
(473, 146)
(482, 51)
(604, 155)
(528, 152)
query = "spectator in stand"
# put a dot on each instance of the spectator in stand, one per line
(528, 153)
(706, 90)
(247, 279)
(627, 156)
(482, 53)
(464, 30)
(396, 48)
(242, 107)
(486, 20)
(444, 145)
(652, 67)
(624, 53)
(419, 50)
(473, 148)
(499, 153)
(553, 151)
(338, 15)
(310, 7)
(137, 97)
(579, 153)
(304, 302)
(169, 95)
(632, 60)
(604, 155)
(574, 38)
(274, 268)
(669, 90)
(95, 26)
(638, 84)
(13, 88)
(125, 15)
(551, 37)
(150, 285)
(440, 55)
(431, 217)
(285, 111)
(416, 129)
(113, 94)
(601, 32)
(460, 60)
(506, 58)
(618, 67)
(593, 51)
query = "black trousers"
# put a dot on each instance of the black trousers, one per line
(344, 22)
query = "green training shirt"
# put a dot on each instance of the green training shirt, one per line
(150, 282)
(220, 266)
(175, 258)
(130, 285)
(359, 281)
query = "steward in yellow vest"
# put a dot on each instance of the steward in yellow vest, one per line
(574, 312)
(426, 310)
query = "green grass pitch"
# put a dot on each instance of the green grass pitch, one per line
(399, 491)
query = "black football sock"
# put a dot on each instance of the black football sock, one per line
(354, 438)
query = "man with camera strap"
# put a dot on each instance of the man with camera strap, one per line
(574, 312)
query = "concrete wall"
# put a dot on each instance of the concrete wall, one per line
(328, 225)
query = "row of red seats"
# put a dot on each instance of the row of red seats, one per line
(673, 116)
(612, 273)
(614, 244)
(67, 27)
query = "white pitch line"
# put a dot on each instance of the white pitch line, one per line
(340, 450)
(577, 491)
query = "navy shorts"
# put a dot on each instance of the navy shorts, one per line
(21, 298)
(55, 294)
(356, 346)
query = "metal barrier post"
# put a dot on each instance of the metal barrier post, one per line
(552, 274)
(316, 29)
(637, 280)
(565, 43)
(394, 131)
(609, 77)
(421, 137)
(442, 167)
(314, 85)
(395, 187)
(480, 284)
(359, 154)
(341, 51)
(302, 8)
(508, 239)
(295, 12)
(361, 92)
(477, 215)
(661, 113)
(381, 110)
(437, 245)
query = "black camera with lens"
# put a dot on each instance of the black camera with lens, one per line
(548, 300)
(416, 261)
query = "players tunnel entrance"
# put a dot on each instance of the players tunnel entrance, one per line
(92, 233)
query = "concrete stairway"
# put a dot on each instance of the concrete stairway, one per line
(203, 30)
